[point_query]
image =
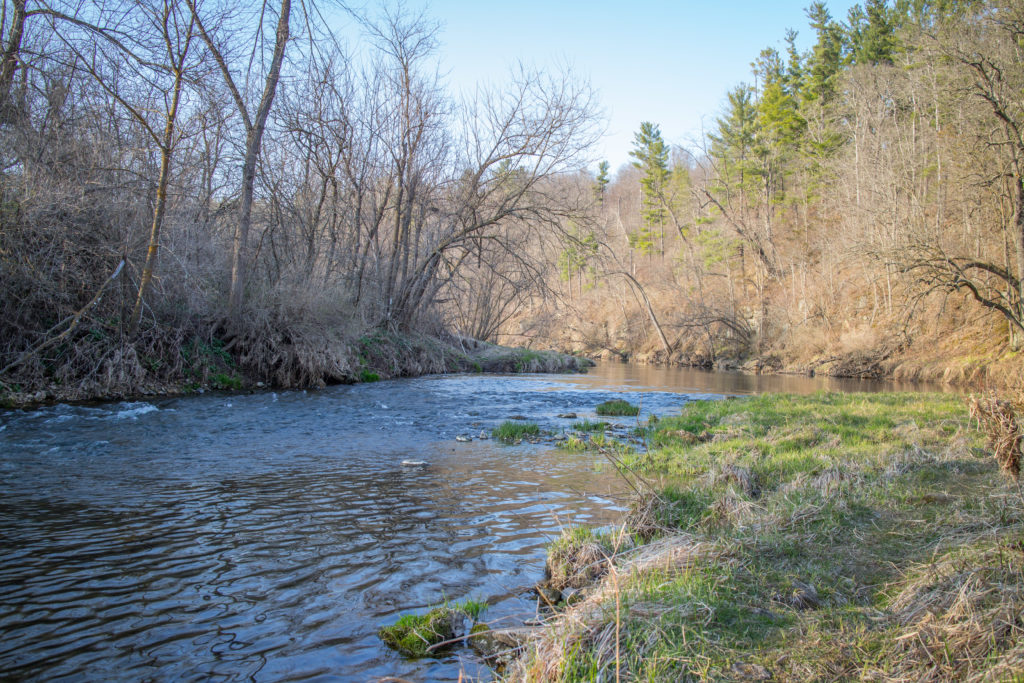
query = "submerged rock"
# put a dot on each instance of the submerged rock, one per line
(549, 595)
(499, 647)
(567, 416)
(463, 438)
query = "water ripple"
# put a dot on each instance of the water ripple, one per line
(267, 537)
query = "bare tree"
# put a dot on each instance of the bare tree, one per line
(216, 32)
(989, 70)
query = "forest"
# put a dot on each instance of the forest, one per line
(855, 210)
(198, 192)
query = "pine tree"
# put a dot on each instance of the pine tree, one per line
(651, 157)
(872, 33)
(734, 145)
(825, 60)
(602, 180)
(794, 66)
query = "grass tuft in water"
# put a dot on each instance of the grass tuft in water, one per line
(413, 634)
(573, 443)
(512, 431)
(424, 635)
(617, 407)
(588, 426)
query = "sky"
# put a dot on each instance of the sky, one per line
(668, 62)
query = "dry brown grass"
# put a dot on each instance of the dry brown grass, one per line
(589, 626)
(999, 421)
(962, 618)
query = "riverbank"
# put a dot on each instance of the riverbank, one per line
(798, 538)
(200, 364)
(994, 367)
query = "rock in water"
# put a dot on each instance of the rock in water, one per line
(414, 463)
(463, 438)
(501, 646)
(548, 595)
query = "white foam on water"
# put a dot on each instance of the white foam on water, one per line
(133, 410)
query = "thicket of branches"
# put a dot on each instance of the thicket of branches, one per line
(183, 177)
(854, 200)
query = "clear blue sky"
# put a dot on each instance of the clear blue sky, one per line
(667, 62)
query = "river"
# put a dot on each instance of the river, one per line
(268, 536)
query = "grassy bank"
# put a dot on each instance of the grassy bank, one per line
(831, 537)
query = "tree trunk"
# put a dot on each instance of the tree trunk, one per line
(650, 312)
(9, 60)
(253, 140)
(166, 149)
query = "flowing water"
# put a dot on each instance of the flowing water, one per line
(268, 536)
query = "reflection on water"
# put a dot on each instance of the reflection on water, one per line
(268, 536)
(653, 377)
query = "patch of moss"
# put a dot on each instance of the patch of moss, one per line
(222, 380)
(413, 634)
(367, 376)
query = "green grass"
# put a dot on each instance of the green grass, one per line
(574, 443)
(221, 380)
(830, 537)
(367, 376)
(588, 426)
(413, 634)
(474, 608)
(617, 407)
(512, 431)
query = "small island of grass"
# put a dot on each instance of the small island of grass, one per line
(512, 431)
(617, 407)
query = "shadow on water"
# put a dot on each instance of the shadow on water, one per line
(268, 536)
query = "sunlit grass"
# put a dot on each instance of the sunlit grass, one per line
(836, 536)
(512, 431)
(617, 407)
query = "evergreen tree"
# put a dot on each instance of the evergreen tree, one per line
(734, 145)
(602, 180)
(872, 33)
(651, 157)
(825, 60)
(779, 123)
(794, 66)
